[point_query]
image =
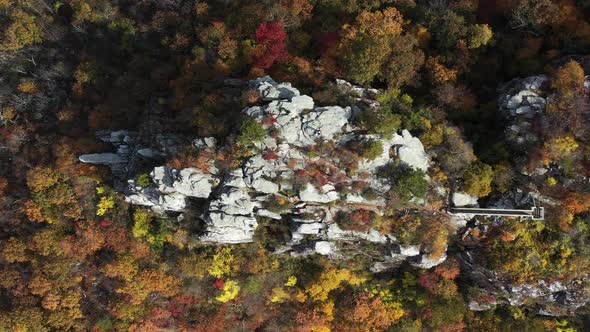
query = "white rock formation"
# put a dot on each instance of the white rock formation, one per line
(463, 199)
(191, 182)
(409, 250)
(230, 218)
(326, 194)
(171, 188)
(411, 151)
(103, 158)
(271, 90)
(325, 122)
(334, 233)
(324, 248)
(427, 262)
(252, 189)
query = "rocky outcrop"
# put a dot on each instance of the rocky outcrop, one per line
(230, 218)
(130, 153)
(410, 150)
(170, 188)
(124, 143)
(463, 199)
(523, 102)
(556, 298)
(282, 181)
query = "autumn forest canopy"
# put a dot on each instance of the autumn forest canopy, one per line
(290, 165)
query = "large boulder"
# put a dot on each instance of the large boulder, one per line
(103, 158)
(190, 182)
(230, 217)
(463, 199)
(411, 151)
(325, 122)
(326, 194)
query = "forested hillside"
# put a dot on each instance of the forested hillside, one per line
(292, 165)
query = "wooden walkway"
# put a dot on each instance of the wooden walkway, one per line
(535, 213)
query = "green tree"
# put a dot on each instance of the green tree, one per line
(155, 230)
(371, 149)
(404, 62)
(143, 180)
(380, 121)
(367, 43)
(447, 27)
(477, 179)
(141, 225)
(23, 31)
(364, 57)
(479, 35)
(250, 133)
(410, 183)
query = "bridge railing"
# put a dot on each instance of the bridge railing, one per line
(535, 213)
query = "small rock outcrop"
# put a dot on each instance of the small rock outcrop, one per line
(171, 188)
(124, 143)
(555, 298)
(523, 102)
(463, 199)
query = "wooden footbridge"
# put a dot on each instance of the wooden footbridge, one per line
(535, 213)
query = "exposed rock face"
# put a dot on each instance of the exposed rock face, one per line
(463, 199)
(550, 298)
(324, 248)
(427, 262)
(410, 150)
(171, 188)
(124, 143)
(360, 94)
(237, 197)
(325, 194)
(523, 102)
(130, 152)
(103, 159)
(231, 217)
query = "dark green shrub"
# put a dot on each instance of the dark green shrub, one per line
(371, 149)
(250, 133)
(143, 180)
(410, 183)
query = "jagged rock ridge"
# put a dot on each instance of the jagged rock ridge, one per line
(238, 197)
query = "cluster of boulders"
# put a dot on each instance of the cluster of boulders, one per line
(238, 198)
(554, 298)
(523, 102)
(130, 152)
(124, 143)
(170, 188)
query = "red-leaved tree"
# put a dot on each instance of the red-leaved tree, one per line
(271, 38)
